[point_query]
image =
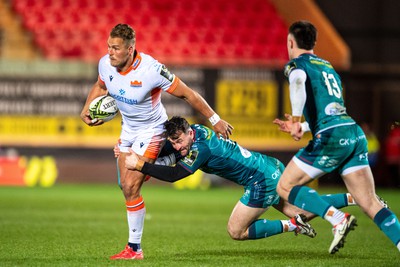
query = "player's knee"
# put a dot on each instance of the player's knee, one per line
(130, 191)
(236, 234)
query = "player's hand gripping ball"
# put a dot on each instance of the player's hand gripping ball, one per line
(103, 108)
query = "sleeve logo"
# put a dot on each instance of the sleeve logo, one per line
(166, 73)
(289, 67)
(191, 157)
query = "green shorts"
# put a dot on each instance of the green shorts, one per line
(340, 148)
(261, 193)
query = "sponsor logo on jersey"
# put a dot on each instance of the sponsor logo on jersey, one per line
(166, 73)
(276, 175)
(271, 199)
(124, 99)
(320, 61)
(350, 141)
(111, 78)
(247, 193)
(191, 157)
(203, 131)
(136, 83)
(333, 109)
(327, 162)
(363, 156)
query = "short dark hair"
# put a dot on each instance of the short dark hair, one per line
(125, 32)
(304, 33)
(175, 126)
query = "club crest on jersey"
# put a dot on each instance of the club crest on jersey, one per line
(166, 73)
(191, 157)
(136, 84)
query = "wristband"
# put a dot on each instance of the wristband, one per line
(214, 119)
(305, 127)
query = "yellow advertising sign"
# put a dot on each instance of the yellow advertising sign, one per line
(251, 106)
(65, 131)
(58, 131)
(254, 99)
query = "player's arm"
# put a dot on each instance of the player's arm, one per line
(200, 104)
(297, 87)
(166, 160)
(164, 173)
(98, 89)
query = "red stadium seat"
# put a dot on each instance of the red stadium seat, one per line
(185, 31)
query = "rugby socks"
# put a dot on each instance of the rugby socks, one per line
(339, 200)
(308, 199)
(387, 221)
(136, 212)
(350, 200)
(264, 228)
(334, 216)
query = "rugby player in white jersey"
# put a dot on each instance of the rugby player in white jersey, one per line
(136, 81)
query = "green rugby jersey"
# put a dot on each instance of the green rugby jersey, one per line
(229, 160)
(324, 107)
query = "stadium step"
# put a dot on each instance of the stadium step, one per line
(14, 40)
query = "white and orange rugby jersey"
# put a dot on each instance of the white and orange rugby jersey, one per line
(137, 91)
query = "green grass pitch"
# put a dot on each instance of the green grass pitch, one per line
(82, 225)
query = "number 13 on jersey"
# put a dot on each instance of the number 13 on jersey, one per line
(332, 85)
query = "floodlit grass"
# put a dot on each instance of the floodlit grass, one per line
(82, 225)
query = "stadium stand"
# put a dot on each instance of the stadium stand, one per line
(185, 32)
(14, 42)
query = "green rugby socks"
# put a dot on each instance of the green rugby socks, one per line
(387, 221)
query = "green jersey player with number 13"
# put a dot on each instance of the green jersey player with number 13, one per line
(338, 142)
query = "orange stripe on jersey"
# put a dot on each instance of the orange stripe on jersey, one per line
(173, 85)
(154, 147)
(135, 64)
(135, 205)
(155, 96)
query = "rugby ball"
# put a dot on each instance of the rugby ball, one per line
(103, 108)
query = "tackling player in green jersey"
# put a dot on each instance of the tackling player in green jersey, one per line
(338, 142)
(197, 147)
